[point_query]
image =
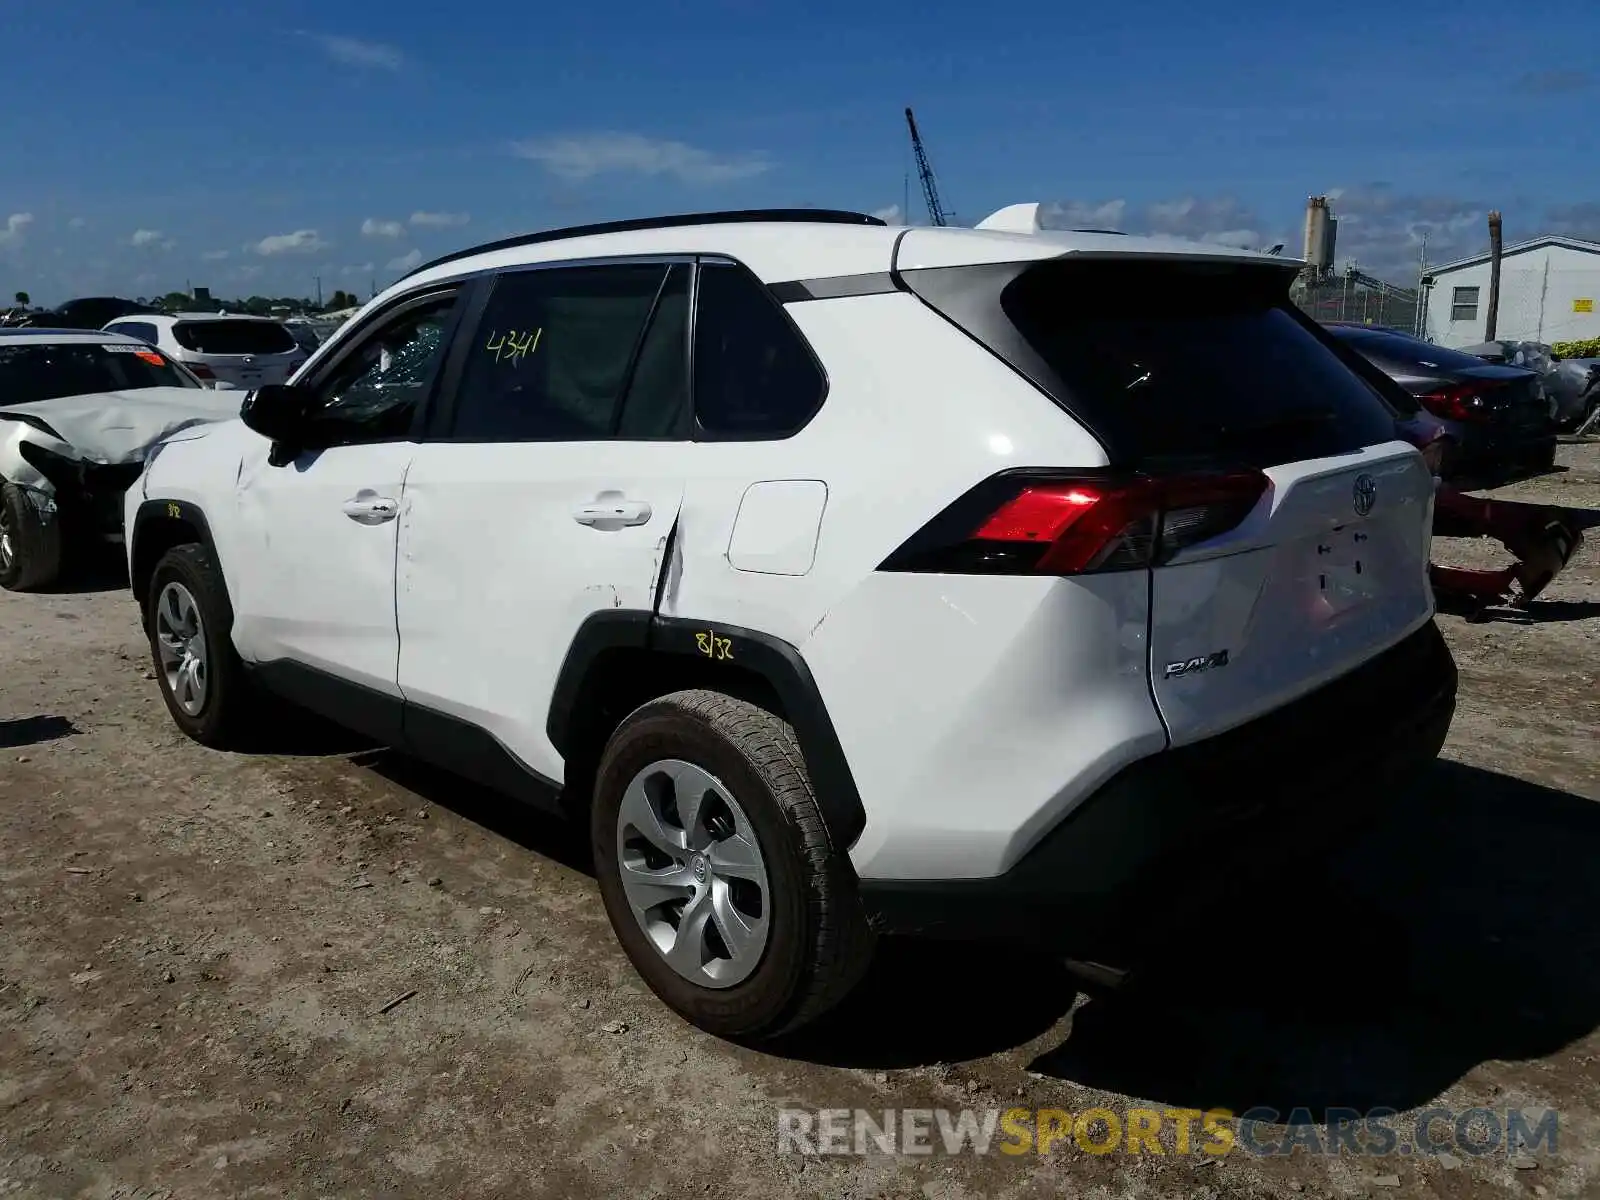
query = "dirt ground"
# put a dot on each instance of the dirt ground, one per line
(198, 953)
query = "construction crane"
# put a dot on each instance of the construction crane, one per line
(930, 190)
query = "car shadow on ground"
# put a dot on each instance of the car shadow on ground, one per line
(548, 836)
(1459, 930)
(30, 731)
(928, 1002)
(1538, 612)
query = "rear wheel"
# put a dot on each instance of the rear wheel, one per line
(30, 547)
(716, 869)
(189, 625)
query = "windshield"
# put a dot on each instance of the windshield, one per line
(46, 372)
(234, 337)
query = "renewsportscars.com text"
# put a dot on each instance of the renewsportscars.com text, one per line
(1378, 1132)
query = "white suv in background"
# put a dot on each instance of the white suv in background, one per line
(843, 578)
(233, 350)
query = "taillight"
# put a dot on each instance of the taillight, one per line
(201, 371)
(1461, 402)
(1047, 523)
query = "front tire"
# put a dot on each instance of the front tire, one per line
(189, 623)
(716, 868)
(30, 547)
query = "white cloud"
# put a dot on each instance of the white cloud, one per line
(439, 220)
(16, 225)
(214, 255)
(357, 269)
(1081, 214)
(587, 155)
(892, 214)
(152, 237)
(372, 227)
(1221, 220)
(301, 241)
(406, 261)
(358, 52)
(76, 223)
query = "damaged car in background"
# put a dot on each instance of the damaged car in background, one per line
(79, 413)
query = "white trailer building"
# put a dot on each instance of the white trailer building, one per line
(1548, 292)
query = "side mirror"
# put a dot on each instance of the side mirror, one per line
(278, 411)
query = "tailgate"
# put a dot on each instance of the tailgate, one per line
(1327, 572)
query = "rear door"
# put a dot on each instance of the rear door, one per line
(244, 352)
(1181, 366)
(545, 495)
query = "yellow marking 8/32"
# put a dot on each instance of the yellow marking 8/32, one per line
(713, 646)
(513, 346)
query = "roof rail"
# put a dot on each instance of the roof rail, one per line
(819, 216)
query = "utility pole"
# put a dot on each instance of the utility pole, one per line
(1491, 321)
(1419, 318)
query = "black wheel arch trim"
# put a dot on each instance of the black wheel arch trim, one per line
(774, 660)
(151, 511)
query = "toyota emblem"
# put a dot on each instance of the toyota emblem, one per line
(1365, 494)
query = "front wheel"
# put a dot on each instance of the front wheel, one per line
(716, 869)
(189, 623)
(30, 546)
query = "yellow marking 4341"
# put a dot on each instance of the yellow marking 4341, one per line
(513, 346)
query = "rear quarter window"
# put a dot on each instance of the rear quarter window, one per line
(233, 337)
(1168, 362)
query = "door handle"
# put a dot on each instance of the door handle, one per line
(612, 514)
(371, 510)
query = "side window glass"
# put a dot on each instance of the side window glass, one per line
(374, 393)
(142, 330)
(552, 355)
(658, 392)
(753, 375)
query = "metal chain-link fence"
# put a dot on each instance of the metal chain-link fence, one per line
(1360, 299)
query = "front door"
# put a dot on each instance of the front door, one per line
(548, 494)
(316, 585)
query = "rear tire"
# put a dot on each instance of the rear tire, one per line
(753, 827)
(30, 548)
(189, 624)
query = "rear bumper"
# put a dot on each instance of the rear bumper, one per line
(1173, 820)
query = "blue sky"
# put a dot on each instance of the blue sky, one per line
(253, 146)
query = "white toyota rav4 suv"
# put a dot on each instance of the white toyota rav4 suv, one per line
(843, 578)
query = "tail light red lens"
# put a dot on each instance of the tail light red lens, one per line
(1460, 402)
(1039, 523)
(201, 371)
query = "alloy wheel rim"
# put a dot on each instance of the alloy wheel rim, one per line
(181, 645)
(693, 873)
(8, 547)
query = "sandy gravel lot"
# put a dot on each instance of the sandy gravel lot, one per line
(196, 949)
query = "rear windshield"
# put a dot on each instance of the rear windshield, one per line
(46, 372)
(1412, 352)
(1168, 361)
(233, 337)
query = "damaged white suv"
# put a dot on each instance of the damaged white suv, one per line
(78, 412)
(843, 578)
